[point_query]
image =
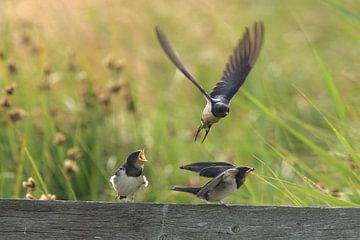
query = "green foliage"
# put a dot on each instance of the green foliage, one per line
(85, 83)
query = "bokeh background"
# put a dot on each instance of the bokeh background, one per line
(84, 83)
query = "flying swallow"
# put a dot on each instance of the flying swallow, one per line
(130, 176)
(226, 179)
(236, 70)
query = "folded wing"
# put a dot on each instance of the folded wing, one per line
(213, 183)
(210, 185)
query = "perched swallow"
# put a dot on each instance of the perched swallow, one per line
(226, 178)
(130, 176)
(235, 73)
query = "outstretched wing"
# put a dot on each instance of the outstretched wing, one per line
(212, 172)
(165, 44)
(197, 167)
(240, 62)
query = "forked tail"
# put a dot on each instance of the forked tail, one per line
(202, 126)
(193, 190)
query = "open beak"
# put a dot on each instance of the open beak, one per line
(142, 156)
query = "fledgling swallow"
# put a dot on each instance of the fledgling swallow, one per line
(226, 179)
(236, 70)
(130, 176)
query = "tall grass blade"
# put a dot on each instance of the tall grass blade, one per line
(38, 175)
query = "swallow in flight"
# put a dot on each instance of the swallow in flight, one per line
(236, 70)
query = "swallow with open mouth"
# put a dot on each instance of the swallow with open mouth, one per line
(236, 70)
(226, 179)
(130, 176)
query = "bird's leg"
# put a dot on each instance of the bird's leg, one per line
(131, 199)
(198, 131)
(207, 131)
(224, 203)
(120, 198)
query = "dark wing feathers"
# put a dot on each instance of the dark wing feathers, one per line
(165, 44)
(197, 167)
(240, 62)
(212, 172)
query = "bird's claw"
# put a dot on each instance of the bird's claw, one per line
(224, 204)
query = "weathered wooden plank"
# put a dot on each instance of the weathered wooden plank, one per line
(25, 219)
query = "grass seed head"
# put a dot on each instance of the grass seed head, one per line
(48, 70)
(59, 138)
(118, 65)
(103, 98)
(74, 153)
(17, 114)
(29, 196)
(10, 90)
(114, 65)
(12, 68)
(109, 62)
(30, 184)
(337, 193)
(26, 39)
(51, 197)
(50, 80)
(71, 167)
(353, 165)
(115, 87)
(5, 103)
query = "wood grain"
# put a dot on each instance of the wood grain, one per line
(27, 219)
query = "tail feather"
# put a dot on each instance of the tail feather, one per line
(193, 190)
(198, 131)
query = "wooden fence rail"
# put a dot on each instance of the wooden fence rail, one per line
(27, 219)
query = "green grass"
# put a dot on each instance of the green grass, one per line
(296, 119)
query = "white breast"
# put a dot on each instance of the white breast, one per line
(125, 185)
(207, 116)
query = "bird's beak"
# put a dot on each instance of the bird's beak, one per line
(142, 156)
(249, 170)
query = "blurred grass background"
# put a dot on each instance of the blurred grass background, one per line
(84, 83)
